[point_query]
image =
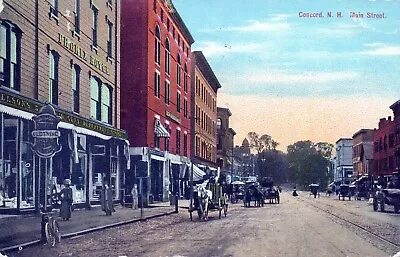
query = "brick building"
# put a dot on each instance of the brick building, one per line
(384, 148)
(204, 106)
(225, 137)
(64, 53)
(363, 150)
(396, 111)
(155, 93)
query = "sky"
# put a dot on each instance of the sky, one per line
(300, 78)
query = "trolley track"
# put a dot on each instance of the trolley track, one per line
(393, 244)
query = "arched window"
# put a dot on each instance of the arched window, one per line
(95, 85)
(167, 56)
(185, 78)
(100, 101)
(10, 55)
(157, 45)
(219, 123)
(76, 70)
(178, 70)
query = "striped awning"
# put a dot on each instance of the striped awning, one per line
(160, 130)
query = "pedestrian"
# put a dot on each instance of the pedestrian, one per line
(294, 192)
(66, 200)
(134, 197)
(106, 199)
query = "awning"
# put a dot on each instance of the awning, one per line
(160, 130)
(16, 112)
(197, 173)
(84, 131)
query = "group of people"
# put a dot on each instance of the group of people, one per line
(66, 198)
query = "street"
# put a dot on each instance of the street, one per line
(296, 227)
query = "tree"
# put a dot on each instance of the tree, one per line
(261, 143)
(308, 163)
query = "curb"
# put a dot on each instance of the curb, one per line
(85, 231)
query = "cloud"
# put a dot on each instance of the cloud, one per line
(382, 49)
(290, 119)
(259, 26)
(211, 48)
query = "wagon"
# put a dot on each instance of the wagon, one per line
(314, 189)
(270, 191)
(386, 196)
(253, 192)
(344, 191)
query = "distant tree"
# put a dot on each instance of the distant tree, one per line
(261, 143)
(273, 164)
(308, 162)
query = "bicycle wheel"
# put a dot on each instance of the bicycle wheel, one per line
(56, 231)
(50, 238)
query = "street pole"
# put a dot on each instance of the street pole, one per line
(191, 187)
(141, 199)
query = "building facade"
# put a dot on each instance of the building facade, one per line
(244, 161)
(344, 161)
(225, 141)
(64, 54)
(155, 93)
(396, 112)
(363, 153)
(205, 86)
(384, 149)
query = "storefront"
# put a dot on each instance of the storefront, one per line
(91, 154)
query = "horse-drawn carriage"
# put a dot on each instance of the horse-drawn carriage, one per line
(386, 196)
(237, 191)
(208, 196)
(253, 192)
(314, 190)
(270, 191)
(345, 191)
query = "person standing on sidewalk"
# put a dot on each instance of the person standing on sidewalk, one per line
(66, 200)
(107, 200)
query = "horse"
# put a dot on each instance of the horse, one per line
(204, 196)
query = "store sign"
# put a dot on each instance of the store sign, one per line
(172, 116)
(82, 54)
(46, 134)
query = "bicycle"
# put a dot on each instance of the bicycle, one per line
(51, 229)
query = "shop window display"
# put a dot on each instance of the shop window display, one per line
(27, 180)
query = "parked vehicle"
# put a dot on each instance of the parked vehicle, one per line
(253, 192)
(344, 191)
(314, 188)
(386, 196)
(270, 191)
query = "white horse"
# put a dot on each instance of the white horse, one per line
(204, 197)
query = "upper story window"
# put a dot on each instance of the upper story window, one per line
(157, 46)
(178, 141)
(77, 4)
(178, 102)
(53, 77)
(162, 15)
(178, 70)
(94, 26)
(185, 78)
(54, 9)
(157, 80)
(100, 100)
(185, 144)
(109, 41)
(168, 24)
(167, 92)
(219, 123)
(10, 55)
(76, 71)
(185, 108)
(167, 56)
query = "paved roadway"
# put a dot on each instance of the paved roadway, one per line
(300, 226)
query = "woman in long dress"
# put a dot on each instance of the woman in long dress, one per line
(107, 200)
(66, 200)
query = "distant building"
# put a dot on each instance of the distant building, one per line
(245, 160)
(396, 111)
(344, 161)
(384, 148)
(225, 136)
(363, 149)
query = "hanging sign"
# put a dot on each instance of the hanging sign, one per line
(46, 134)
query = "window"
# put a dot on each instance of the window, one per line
(76, 70)
(219, 123)
(185, 78)
(54, 9)
(106, 104)
(94, 28)
(166, 142)
(95, 84)
(178, 102)
(157, 84)
(162, 15)
(167, 56)
(168, 25)
(156, 137)
(197, 146)
(167, 92)
(185, 108)
(178, 141)
(157, 46)
(53, 77)
(109, 41)
(10, 55)
(178, 70)
(185, 137)
(77, 16)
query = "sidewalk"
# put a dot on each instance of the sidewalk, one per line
(21, 230)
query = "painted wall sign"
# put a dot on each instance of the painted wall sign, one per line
(46, 134)
(172, 116)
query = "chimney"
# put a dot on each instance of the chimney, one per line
(389, 118)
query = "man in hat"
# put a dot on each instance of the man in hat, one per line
(66, 200)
